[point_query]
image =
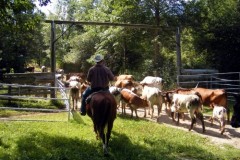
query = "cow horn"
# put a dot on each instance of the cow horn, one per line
(197, 85)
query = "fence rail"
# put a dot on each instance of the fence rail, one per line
(5, 94)
(229, 81)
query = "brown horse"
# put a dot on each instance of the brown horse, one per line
(103, 110)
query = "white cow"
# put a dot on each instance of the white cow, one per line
(75, 86)
(152, 82)
(188, 103)
(154, 96)
(220, 114)
(116, 92)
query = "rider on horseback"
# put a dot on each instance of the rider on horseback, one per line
(99, 76)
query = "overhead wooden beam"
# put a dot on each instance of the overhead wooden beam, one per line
(105, 24)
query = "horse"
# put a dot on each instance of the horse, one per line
(102, 109)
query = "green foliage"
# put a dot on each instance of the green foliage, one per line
(215, 35)
(20, 35)
(209, 32)
(131, 139)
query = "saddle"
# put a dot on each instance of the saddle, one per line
(88, 99)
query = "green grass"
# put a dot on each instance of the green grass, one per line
(131, 140)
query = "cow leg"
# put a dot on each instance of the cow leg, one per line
(222, 125)
(145, 112)
(183, 116)
(124, 108)
(131, 111)
(159, 109)
(149, 111)
(152, 109)
(136, 113)
(75, 104)
(178, 115)
(200, 116)
(192, 123)
(72, 103)
(228, 115)
(172, 115)
(211, 120)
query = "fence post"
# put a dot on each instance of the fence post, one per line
(178, 48)
(53, 58)
(239, 81)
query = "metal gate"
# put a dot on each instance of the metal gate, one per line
(229, 81)
(26, 92)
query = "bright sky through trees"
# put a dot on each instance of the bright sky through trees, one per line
(50, 8)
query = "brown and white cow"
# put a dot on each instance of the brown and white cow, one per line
(124, 81)
(82, 76)
(210, 97)
(44, 69)
(186, 103)
(134, 101)
(116, 92)
(84, 86)
(125, 84)
(219, 114)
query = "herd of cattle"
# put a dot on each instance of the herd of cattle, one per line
(149, 93)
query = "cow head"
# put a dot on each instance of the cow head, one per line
(235, 120)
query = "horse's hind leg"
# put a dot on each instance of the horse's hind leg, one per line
(110, 126)
(102, 135)
(108, 135)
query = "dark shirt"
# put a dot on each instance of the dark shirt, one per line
(99, 76)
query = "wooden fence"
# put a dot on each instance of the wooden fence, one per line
(25, 81)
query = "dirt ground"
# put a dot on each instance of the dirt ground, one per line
(231, 135)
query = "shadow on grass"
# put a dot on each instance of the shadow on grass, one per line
(155, 149)
(42, 146)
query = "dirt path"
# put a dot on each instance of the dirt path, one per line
(231, 135)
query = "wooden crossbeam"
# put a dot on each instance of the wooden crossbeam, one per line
(105, 24)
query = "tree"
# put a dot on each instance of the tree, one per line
(20, 35)
(214, 29)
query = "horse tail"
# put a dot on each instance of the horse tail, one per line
(104, 108)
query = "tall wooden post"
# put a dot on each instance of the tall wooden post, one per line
(53, 57)
(178, 48)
